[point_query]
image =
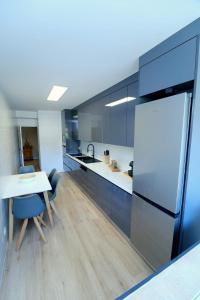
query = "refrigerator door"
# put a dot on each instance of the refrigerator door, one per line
(152, 232)
(161, 129)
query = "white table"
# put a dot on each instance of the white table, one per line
(14, 185)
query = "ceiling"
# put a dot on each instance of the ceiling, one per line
(85, 45)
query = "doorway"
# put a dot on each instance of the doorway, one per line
(29, 149)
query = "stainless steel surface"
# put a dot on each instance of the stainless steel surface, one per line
(87, 159)
(159, 150)
(152, 232)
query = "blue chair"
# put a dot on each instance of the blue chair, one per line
(53, 171)
(26, 169)
(53, 193)
(25, 208)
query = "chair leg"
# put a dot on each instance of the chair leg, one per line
(39, 229)
(22, 233)
(41, 221)
(54, 209)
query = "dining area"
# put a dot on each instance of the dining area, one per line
(30, 195)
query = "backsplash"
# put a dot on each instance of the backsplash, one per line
(123, 155)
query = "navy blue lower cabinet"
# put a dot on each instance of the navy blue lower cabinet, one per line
(115, 202)
(70, 164)
(172, 68)
(121, 209)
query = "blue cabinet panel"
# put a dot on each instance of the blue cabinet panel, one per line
(175, 67)
(106, 121)
(115, 202)
(70, 164)
(132, 92)
(96, 111)
(121, 209)
(118, 124)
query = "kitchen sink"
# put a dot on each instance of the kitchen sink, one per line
(87, 159)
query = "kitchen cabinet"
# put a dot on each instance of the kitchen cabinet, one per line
(90, 122)
(132, 92)
(106, 121)
(70, 164)
(84, 123)
(115, 202)
(96, 127)
(109, 125)
(118, 124)
(172, 68)
(121, 209)
(115, 119)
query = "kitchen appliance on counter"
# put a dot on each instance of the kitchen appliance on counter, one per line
(130, 172)
(160, 147)
(107, 157)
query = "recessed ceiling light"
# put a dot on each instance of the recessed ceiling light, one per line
(56, 92)
(120, 101)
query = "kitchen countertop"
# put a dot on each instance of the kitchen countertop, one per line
(118, 178)
(180, 280)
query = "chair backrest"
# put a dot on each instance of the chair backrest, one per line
(28, 206)
(53, 171)
(54, 183)
(26, 169)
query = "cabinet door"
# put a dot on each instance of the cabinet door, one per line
(70, 164)
(105, 120)
(118, 126)
(121, 209)
(96, 111)
(84, 123)
(132, 92)
(175, 67)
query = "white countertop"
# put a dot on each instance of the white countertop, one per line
(20, 184)
(118, 178)
(179, 281)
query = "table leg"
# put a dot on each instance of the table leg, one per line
(10, 220)
(48, 207)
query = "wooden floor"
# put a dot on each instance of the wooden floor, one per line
(85, 257)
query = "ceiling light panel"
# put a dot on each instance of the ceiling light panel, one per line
(56, 92)
(120, 101)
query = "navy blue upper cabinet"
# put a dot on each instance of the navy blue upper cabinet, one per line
(118, 124)
(96, 112)
(106, 121)
(84, 123)
(174, 67)
(132, 92)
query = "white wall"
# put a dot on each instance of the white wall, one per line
(26, 118)
(123, 155)
(9, 163)
(50, 140)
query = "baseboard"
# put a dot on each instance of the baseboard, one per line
(3, 254)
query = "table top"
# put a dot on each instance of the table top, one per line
(23, 184)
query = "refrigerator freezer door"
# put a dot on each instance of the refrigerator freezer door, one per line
(161, 128)
(152, 232)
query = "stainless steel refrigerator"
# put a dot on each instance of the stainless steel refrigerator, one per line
(160, 147)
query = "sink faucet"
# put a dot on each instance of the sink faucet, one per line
(92, 149)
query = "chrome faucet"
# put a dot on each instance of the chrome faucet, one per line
(92, 149)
